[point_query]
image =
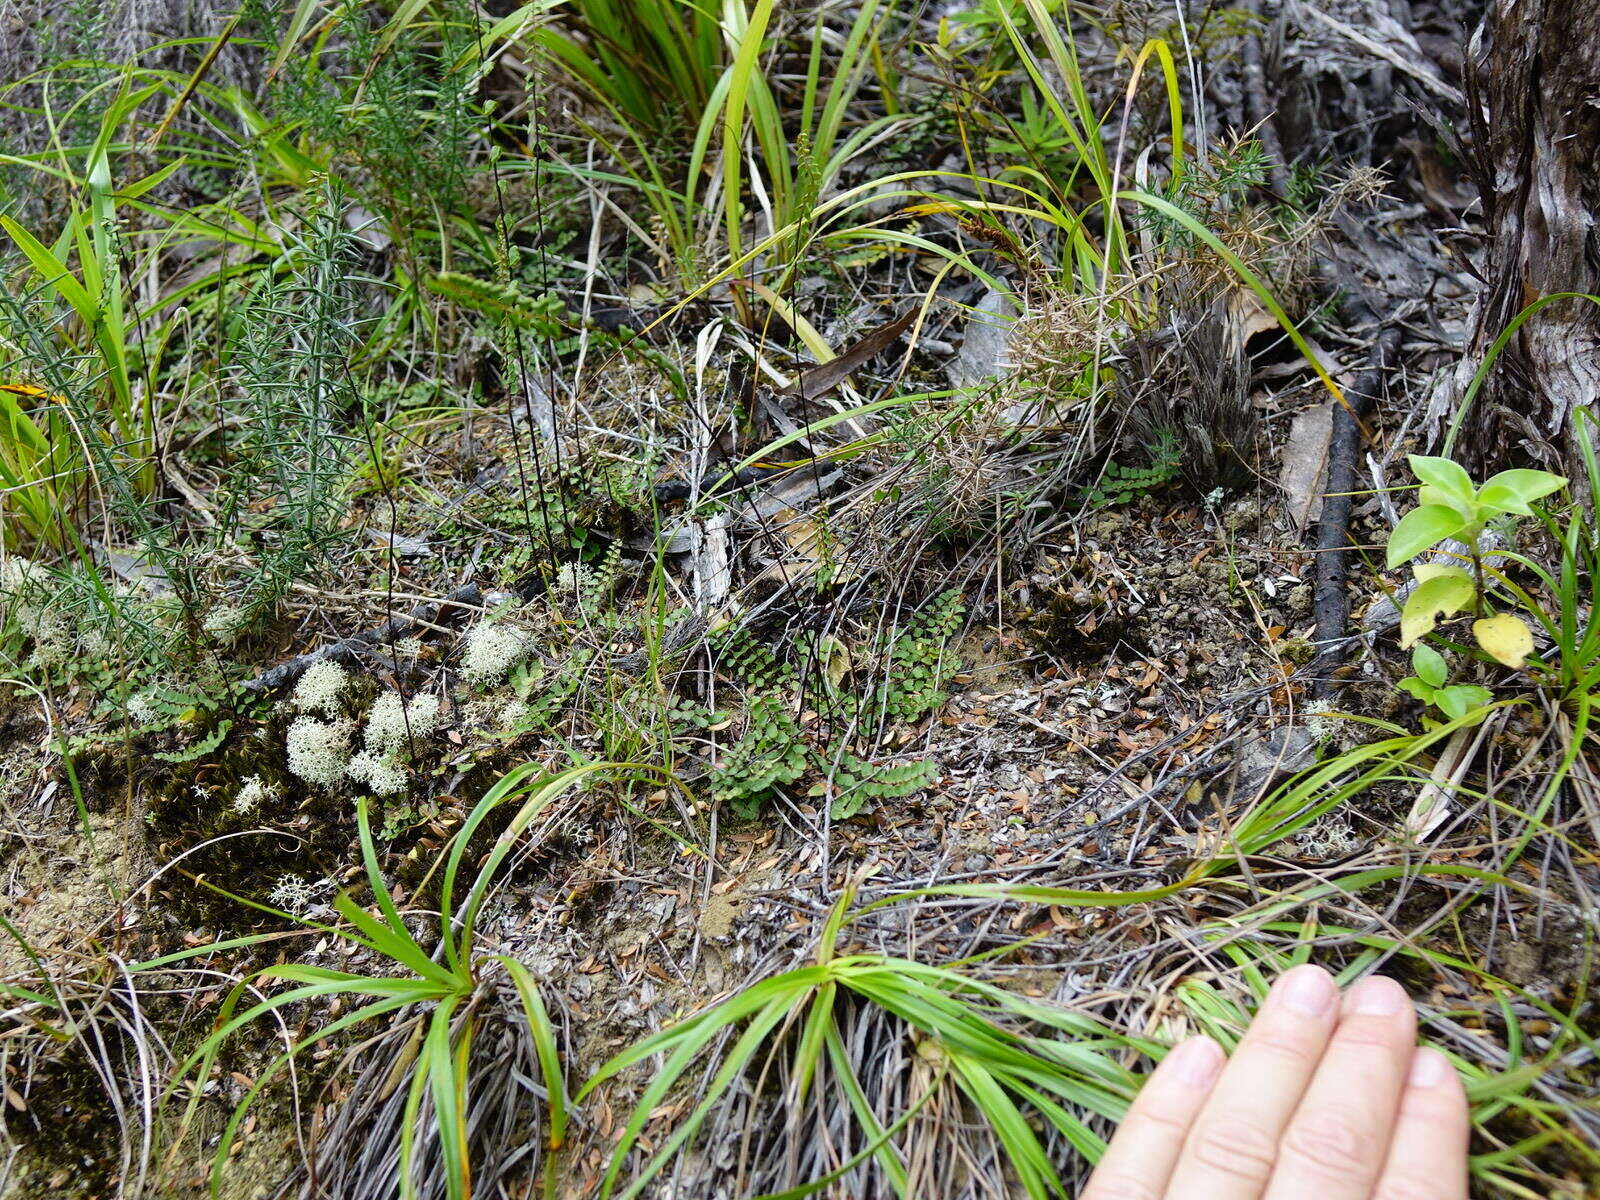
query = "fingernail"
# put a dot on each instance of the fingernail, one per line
(1195, 1063)
(1377, 996)
(1307, 989)
(1429, 1069)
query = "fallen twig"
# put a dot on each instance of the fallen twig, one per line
(1330, 604)
(348, 650)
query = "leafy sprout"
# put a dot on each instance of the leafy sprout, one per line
(1451, 506)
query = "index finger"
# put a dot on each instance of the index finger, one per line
(1145, 1148)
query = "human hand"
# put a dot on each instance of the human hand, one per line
(1323, 1098)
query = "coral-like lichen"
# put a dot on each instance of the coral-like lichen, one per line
(492, 650)
(319, 751)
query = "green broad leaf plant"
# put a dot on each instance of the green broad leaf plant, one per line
(1430, 685)
(1451, 506)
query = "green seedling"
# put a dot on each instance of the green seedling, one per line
(1453, 507)
(1430, 685)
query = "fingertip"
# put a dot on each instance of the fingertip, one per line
(1307, 990)
(1433, 1084)
(1377, 996)
(1434, 1098)
(1430, 1069)
(1194, 1063)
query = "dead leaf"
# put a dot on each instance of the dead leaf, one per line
(1432, 806)
(826, 376)
(790, 573)
(1248, 315)
(1304, 465)
(802, 533)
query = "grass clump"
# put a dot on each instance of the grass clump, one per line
(787, 1028)
(435, 1005)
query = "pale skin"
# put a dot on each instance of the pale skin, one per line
(1326, 1096)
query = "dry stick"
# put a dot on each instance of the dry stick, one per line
(1330, 602)
(1259, 112)
(348, 650)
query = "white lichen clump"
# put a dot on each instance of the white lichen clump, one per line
(393, 724)
(16, 574)
(142, 709)
(25, 592)
(1322, 722)
(569, 581)
(319, 688)
(252, 794)
(383, 774)
(1327, 839)
(291, 893)
(319, 751)
(512, 715)
(226, 623)
(492, 650)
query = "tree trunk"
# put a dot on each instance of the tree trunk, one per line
(1535, 108)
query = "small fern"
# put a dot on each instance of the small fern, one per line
(856, 784)
(913, 663)
(1120, 483)
(771, 751)
(738, 653)
(497, 301)
(598, 583)
(198, 749)
(544, 707)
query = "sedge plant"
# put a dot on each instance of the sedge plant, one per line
(744, 160)
(445, 994)
(1561, 606)
(1021, 1067)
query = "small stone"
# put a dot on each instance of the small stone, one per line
(1272, 755)
(985, 342)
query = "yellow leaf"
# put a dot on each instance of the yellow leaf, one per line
(836, 659)
(1504, 638)
(1442, 594)
(28, 391)
(1427, 571)
(814, 342)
